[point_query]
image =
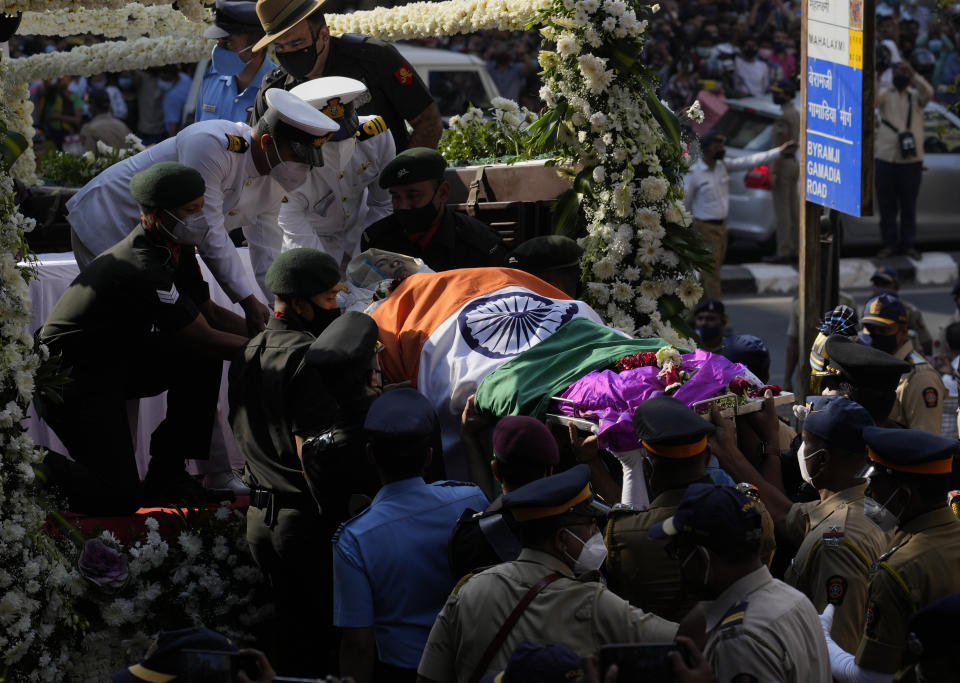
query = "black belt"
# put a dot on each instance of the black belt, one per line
(712, 221)
(274, 501)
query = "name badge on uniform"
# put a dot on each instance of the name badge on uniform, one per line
(210, 107)
(833, 538)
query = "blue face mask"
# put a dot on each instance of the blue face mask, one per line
(935, 45)
(164, 86)
(226, 62)
(125, 83)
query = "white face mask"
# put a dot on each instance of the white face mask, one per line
(289, 174)
(802, 458)
(337, 155)
(191, 230)
(592, 554)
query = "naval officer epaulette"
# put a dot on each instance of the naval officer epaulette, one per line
(371, 128)
(237, 144)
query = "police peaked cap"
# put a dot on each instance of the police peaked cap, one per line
(413, 166)
(302, 272)
(669, 428)
(350, 340)
(554, 496)
(863, 366)
(167, 185)
(546, 253)
(910, 450)
(234, 16)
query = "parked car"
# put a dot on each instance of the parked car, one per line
(748, 125)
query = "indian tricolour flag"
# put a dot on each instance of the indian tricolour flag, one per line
(446, 331)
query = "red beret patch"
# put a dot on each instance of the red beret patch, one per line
(404, 74)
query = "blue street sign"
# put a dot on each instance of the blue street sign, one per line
(834, 126)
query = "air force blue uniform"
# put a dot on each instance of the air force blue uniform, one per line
(219, 98)
(390, 564)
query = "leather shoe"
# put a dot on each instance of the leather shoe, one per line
(228, 481)
(886, 252)
(912, 253)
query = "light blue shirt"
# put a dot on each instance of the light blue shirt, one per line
(390, 568)
(219, 99)
(174, 100)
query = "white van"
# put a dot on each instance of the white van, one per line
(455, 80)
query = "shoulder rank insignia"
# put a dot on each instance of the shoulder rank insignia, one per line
(237, 144)
(836, 589)
(833, 538)
(734, 616)
(371, 128)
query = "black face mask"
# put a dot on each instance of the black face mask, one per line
(300, 62)
(322, 317)
(886, 343)
(709, 332)
(415, 222)
(719, 155)
(901, 82)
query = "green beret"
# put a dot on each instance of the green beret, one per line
(412, 166)
(167, 185)
(302, 272)
(546, 253)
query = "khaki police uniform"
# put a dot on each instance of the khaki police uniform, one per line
(920, 393)
(638, 568)
(760, 629)
(786, 183)
(922, 566)
(838, 545)
(581, 615)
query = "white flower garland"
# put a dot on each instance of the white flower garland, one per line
(637, 226)
(116, 55)
(35, 581)
(131, 21)
(19, 118)
(192, 9)
(430, 19)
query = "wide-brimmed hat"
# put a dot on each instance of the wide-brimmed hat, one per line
(279, 16)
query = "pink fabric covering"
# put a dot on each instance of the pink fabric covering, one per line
(612, 397)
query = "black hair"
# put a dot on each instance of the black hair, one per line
(400, 457)
(316, 20)
(536, 532)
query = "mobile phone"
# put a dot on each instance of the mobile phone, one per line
(640, 662)
(217, 666)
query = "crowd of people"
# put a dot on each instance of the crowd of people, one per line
(720, 550)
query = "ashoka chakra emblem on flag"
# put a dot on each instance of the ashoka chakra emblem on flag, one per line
(503, 325)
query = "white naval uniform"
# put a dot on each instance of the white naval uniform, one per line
(331, 210)
(103, 212)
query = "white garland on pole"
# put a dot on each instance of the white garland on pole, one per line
(192, 9)
(118, 55)
(132, 21)
(431, 19)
